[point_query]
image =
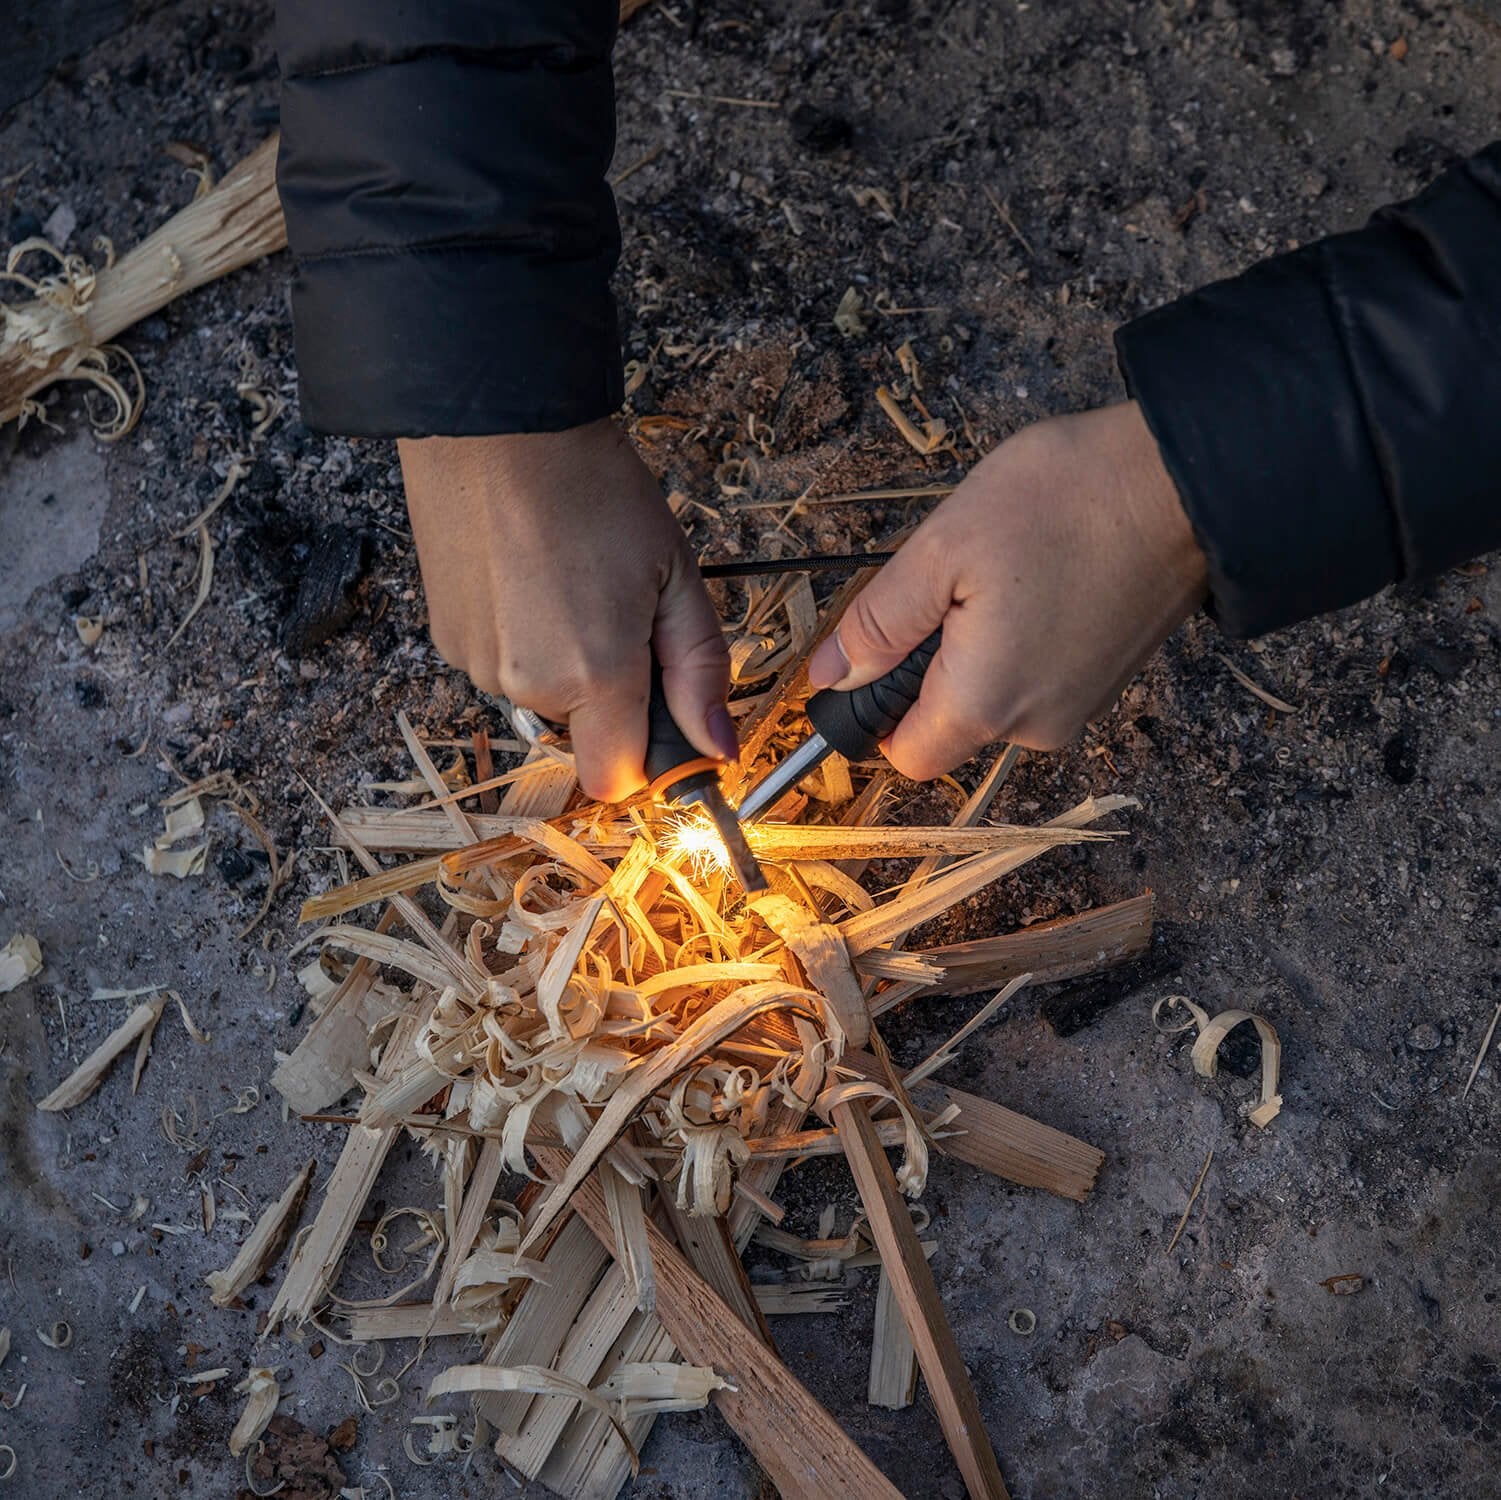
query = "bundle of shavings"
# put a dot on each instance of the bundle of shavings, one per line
(598, 1024)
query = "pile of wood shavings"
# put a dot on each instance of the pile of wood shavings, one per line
(599, 1010)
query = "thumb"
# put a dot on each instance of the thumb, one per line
(897, 610)
(695, 665)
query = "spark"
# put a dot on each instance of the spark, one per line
(693, 836)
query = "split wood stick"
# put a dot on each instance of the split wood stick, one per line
(821, 952)
(543, 1317)
(988, 1135)
(544, 794)
(86, 1077)
(591, 1462)
(315, 1261)
(802, 1448)
(1050, 951)
(922, 1309)
(233, 224)
(322, 1065)
(465, 974)
(404, 1320)
(484, 769)
(895, 919)
(892, 1382)
(262, 1243)
(711, 1252)
(975, 807)
(428, 830)
(477, 1197)
(603, 1319)
(627, 1206)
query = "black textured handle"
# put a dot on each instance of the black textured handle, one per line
(856, 722)
(667, 747)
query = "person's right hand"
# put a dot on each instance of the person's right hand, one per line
(553, 566)
(1056, 569)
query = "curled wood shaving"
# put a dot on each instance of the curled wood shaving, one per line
(180, 1126)
(20, 959)
(252, 1456)
(261, 1394)
(279, 871)
(431, 1236)
(59, 1336)
(4, 1344)
(1206, 1047)
(205, 582)
(193, 1029)
(14, 1463)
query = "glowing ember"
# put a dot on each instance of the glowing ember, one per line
(694, 837)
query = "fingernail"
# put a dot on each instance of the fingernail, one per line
(828, 664)
(722, 732)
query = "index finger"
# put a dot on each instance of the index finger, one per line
(608, 730)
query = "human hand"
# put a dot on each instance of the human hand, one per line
(552, 564)
(1056, 569)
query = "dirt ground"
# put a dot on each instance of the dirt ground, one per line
(1001, 185)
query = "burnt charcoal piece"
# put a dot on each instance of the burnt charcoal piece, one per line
(328, 597)
(1444, 660)
(235, 865)
(1399, 758)
(1240, 1052)
(819, 129)
(1080, 1005)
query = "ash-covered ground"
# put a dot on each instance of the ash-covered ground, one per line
(1002, 185)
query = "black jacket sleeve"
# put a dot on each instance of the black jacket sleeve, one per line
(442, 171)
(1332, 418)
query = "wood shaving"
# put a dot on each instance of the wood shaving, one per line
(178, 862)
(261, 1394)
(1255, 689)
(263, 1242)
(1193, 1198)
(1485, 1046)
(205, 583)
(20, 960)
(84, 1079)
(1206, 1048)
(847, 319)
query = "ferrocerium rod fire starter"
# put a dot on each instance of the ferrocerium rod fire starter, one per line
(854, 723)
(680, 775)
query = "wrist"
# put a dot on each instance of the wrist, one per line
(1156, 509)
